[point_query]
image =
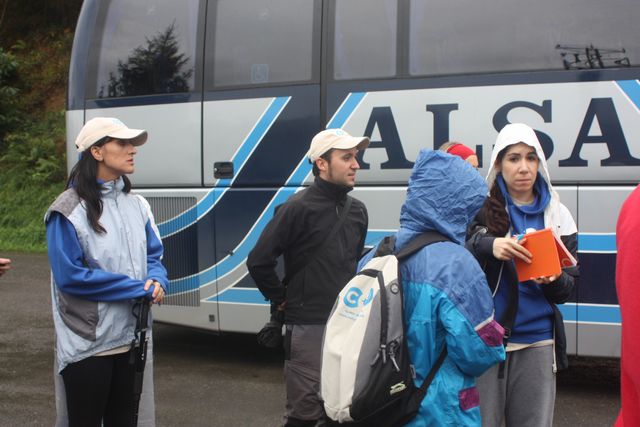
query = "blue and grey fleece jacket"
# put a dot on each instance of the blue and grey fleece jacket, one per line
(96, 278)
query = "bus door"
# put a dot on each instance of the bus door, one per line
(261, 108)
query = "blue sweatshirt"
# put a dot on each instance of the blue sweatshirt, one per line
(534, 318)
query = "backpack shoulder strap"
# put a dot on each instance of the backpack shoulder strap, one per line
(420, 242)
(386, 247)
(411, 248)
(422, 391)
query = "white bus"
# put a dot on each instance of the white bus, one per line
(231, 92)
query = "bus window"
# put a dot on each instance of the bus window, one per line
(144, 47)
(260, 43)
(365, 39)
(467, 36)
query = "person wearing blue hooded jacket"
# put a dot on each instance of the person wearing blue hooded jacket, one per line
(446, 298)
(105, 254)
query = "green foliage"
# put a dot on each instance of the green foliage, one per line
(21, 217)
(43, 63)
(32, 174)
(8, 94)
(32, 155)
(23, 17)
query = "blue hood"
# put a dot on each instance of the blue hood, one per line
(445, 193)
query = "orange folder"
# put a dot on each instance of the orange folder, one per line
(550, 256)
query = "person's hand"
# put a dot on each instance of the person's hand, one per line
(507, 248)
(5, 264)
(158, 291)
(545, 280)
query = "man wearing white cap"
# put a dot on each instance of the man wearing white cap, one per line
(320, 232)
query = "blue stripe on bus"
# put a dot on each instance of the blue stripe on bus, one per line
(240, 296)
(256, 135)
(228, 264)
(587, 242)
(604, 243)
(346, 110)
(375, 236)
(591, 313)
(301, 172)
(186, 218)
(587, 313)
(632, 89)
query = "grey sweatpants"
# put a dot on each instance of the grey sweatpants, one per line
(303, 354)
(525, 397)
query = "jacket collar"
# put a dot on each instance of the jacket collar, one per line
(333, 191)
(111, 189)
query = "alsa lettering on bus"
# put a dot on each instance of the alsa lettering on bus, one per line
(579, 131)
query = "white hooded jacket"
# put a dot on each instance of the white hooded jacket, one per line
(556, 215)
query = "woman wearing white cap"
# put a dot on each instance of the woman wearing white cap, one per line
(521, 391)
(105, 254)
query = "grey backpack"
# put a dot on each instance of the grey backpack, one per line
(367, 377)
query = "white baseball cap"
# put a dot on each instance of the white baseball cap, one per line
(97, 128)
(334, 138)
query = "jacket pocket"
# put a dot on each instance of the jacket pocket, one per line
(296, 291)
(79, 315)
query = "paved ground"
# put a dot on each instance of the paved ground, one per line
(203, 379)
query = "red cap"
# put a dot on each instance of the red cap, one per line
(461, 151)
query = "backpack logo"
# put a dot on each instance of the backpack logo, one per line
(354, 295)
(397, 388)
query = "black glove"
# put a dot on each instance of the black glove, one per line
(270, 336)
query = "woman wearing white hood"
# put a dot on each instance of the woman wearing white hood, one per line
(521, 198)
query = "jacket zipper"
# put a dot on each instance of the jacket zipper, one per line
(126, 233)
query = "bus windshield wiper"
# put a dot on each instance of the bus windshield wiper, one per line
(590, 57)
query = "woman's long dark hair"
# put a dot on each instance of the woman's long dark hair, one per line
(83, 178)
(494, 209)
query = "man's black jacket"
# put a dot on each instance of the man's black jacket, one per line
(298, 228)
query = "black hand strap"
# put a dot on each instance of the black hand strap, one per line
(140, 353)
(332, 233)
(508, 319)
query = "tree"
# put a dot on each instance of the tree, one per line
(154, 68)
(8, 104)
(19, 17)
